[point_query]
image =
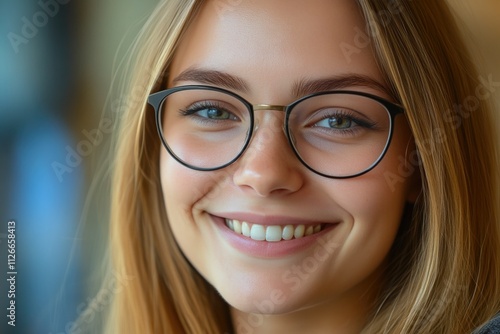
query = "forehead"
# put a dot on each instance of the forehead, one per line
(271, 43)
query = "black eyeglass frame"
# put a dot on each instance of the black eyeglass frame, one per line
(156, 101)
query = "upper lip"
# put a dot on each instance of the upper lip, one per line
(267, 219)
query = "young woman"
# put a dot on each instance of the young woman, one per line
(305, 167)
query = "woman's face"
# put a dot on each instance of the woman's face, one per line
(270, 46)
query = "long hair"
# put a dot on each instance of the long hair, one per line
(444, 266)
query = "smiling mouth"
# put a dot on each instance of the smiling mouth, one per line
(272, 233)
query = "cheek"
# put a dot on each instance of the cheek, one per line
(375, 203)
(177, 195)
(375, 211)
(181, 189)
(184, 190)
(381, 195)
(375, 196)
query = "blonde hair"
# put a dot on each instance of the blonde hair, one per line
(444, 266)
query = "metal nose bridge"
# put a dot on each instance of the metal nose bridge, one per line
(268, 107)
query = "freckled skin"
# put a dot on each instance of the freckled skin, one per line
(272, 44)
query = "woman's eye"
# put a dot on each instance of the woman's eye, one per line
(209, 112)
(336, 122)
(214, 113)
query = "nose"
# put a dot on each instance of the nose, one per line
(269, 166)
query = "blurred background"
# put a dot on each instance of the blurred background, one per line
(57, 62)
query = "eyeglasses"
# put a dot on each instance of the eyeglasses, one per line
(336, 134)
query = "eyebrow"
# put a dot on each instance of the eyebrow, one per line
(212, 77)
(309, 86)
(300, 88)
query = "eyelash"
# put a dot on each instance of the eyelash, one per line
(198, 106)
(349, 115)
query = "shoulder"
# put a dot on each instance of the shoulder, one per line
(491, 327)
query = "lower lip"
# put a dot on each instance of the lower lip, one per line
(266, 249)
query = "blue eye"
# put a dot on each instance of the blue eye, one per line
(214, 113)
(209, 111)
(341, 120)
(336, 122)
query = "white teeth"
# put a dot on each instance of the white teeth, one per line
(245, 229)
(272, 233)
(299, 231)
(236, 226)
(288, 232)
(258, 232)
